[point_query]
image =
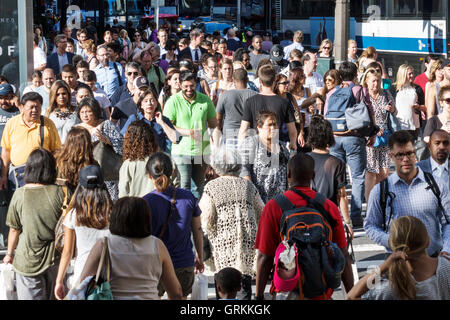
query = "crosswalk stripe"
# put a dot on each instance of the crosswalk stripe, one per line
(367, 248)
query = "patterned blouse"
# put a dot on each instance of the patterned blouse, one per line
(231, 207)
(113, 133)
(268, 170)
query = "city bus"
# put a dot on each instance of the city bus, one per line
(402, 31)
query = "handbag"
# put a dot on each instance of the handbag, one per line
(108, 160)
(99, 287)
(16, 174)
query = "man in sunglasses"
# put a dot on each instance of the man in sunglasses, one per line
(132, 71)
(409, 192)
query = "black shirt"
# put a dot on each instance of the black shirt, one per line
(281, 107)
(329, 175)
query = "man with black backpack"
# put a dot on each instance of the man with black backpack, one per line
(409, 191)
(345, 109)
(306, 220)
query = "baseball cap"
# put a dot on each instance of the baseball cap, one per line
(6, 89)
(445, 63)
(277, 53)
(91, 177)
(141, 82)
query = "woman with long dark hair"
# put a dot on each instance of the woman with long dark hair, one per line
(171, 86)
(176, 216)
(74, 155)
(86, 222)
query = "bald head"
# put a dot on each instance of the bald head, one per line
(301, 170)
(439, 146)
(48, 77)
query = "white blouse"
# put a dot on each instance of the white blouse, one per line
(406, 98)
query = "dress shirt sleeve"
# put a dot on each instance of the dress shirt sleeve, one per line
(445, 199)
(373, 224)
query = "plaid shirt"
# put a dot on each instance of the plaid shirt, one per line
(415, 200)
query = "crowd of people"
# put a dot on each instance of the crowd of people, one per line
(165, 144)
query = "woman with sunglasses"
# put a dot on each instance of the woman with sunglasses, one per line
(326, 49)
(138, 44)
(281, 86)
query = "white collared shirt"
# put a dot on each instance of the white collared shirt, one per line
(440, 171)
(63, 60)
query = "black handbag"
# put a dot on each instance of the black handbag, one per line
(108, 160)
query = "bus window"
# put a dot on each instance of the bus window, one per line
(405, 8)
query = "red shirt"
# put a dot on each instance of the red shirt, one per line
(268, 235)
(421, 80)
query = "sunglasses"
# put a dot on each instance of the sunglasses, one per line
(132, 73)
(284, 83)
(447, 100)
(326, 48)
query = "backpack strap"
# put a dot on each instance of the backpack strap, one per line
(41, 130)
(435, 189)
(318, 203)
(385, 194)
(118, 74)
(286, 205)
(158, 74)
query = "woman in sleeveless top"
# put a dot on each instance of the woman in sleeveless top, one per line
(225, 82)
(90, 51)
(210, 77)
(432, 89)
(138, 259)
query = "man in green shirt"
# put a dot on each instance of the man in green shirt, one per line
(191, 113)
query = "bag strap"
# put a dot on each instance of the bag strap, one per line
(66, 199)
(158, 74)
(118, 74)
(104, 256)
(41, 131)
(385, 194)
(172, 208)
(318, 203)
(435, 189)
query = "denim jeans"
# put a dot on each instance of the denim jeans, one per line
(192, 169)
(352, 151)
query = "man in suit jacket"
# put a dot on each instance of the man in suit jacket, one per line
(60, 58)
(193, 51)
(438, 163)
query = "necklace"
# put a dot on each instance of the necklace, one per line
(62, 114)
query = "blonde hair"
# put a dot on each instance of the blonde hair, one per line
(369, 72)
(350, 41)
(407, 234)
(298, 36)
(434, 67)
(324, 43)
(402, 76)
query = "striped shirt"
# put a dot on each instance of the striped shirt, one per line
(415, 200)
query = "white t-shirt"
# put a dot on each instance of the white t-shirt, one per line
(314, 83)
(85, 240)
(406, 98)
(102, 98)
(39, 57)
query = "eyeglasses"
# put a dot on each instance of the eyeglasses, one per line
(409, 154)
(284, 83)
(447, 100)
(132, 73)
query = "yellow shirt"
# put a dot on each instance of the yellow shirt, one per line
(21, 140)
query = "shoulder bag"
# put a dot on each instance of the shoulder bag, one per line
(108, 160)
(99, 288)
(59, 229)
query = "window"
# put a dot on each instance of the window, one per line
(405, 7)
(434, 8)
(368, 8)
(308, 8)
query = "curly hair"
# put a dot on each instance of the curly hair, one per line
(139, 141)
(75, 154)
(320, 133)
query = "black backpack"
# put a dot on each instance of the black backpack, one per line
(386, 195)
(310, 227)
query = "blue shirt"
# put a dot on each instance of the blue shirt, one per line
(177, 236)
(108, 79)
(161, 137)
(415, 200)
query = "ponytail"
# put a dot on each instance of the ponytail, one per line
(162, 183)
(407, 234)
(159, 167)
